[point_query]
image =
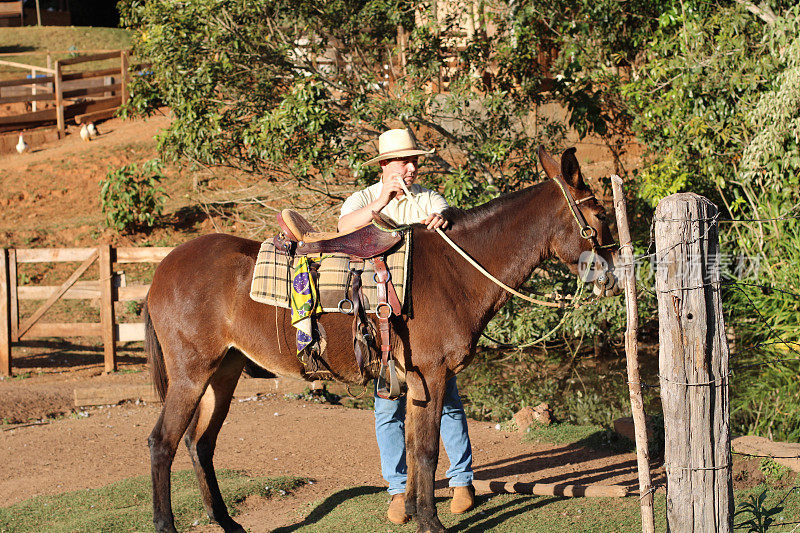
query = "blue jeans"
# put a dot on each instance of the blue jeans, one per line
(390, 424)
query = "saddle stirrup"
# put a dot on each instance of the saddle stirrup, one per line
(393, 390)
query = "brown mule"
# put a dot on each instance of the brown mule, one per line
(202, 326)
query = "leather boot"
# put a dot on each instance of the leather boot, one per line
(397, 509)
(463, 499)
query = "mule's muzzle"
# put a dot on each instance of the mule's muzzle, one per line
(594, 269)
(607, 284)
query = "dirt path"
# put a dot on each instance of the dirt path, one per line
(268, 436)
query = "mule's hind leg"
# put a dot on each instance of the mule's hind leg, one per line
(179, 407)
(201, 437)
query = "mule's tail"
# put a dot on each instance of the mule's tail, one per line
(155, 357)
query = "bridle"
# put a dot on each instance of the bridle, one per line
(603, 282)
(586, 231)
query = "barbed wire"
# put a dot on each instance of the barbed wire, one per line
(765, 288)
(773, 333)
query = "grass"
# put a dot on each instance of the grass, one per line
(57, 38)
(780, 506)
(595, 437)
(363, 508)
(126, 505)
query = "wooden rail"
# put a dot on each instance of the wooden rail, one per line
(108, 289)
(52, 88)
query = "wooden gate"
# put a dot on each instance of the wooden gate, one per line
(108, 289)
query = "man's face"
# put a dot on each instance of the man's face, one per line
(404, 167)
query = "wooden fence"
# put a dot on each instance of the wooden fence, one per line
(693, 366)
(108, 289)
(61, 87)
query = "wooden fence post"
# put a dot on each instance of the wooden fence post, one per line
(107, 308)
(14, 288)
(59, 100)
(5, 315)
(693, 366)
(34, 92)
(123, 73)
(627, 276)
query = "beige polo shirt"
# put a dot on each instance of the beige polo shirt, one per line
(402, 210)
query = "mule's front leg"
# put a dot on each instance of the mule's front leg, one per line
(423, 418)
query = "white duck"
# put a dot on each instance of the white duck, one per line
(22, 146)
(92, 130)
(85, 133)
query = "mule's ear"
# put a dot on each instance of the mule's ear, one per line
(548, 163)
(570, 169)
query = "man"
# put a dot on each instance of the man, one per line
(398, 157)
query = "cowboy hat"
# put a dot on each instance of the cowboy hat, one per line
(393, 144)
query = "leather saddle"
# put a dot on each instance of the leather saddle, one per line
(364, 242)
(370, 242)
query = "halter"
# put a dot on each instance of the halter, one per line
(586, 231)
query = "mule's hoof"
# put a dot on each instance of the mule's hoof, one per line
(231, 526)
(430, 526)
(164, 526)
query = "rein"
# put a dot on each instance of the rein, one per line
(586, 231)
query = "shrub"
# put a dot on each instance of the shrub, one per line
(131, 198)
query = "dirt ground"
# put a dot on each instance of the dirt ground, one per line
(268, 435)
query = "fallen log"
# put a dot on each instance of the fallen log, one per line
(551, 489)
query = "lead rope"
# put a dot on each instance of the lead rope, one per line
(575, 298)
(480, 269)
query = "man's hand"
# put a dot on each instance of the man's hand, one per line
(435, 221)
(390, 190)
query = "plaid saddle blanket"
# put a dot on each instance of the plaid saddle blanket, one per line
(272, 277)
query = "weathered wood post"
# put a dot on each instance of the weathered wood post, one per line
(58, 89)
(627, 276)
(693, 366)
(107, 308)
(13, 286)
(34, 92)
(123, 75)
(5, 315)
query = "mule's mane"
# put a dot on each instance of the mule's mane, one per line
(476, 216)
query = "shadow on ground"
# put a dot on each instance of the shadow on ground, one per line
(59, 353)
(328, 505)
(360, 509)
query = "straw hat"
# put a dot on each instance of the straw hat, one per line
(396, 143)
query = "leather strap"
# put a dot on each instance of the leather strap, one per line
(391, 293)
(587, 231)
(283, 246)
(382, 280)
(360, 327)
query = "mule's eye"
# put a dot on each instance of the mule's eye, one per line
(601, 217)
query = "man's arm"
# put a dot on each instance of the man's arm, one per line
(360, 217)
(354, 214)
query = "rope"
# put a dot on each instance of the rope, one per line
(474, 263)
(575, 298)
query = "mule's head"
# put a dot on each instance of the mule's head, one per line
(583, 240)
